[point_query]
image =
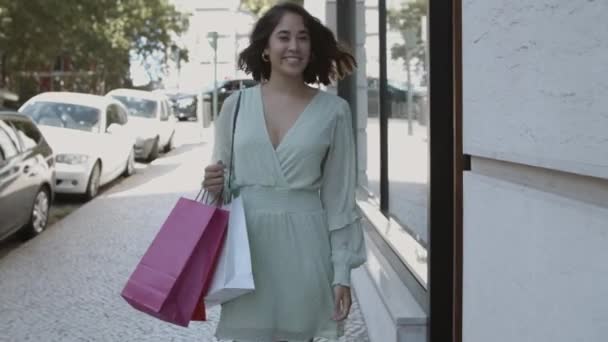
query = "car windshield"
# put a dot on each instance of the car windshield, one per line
(64, 115)
(138, 106)
(186, 101)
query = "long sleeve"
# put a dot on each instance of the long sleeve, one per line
(222, 136)
(338, 192)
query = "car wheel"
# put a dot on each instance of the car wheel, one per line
(154, 151)
(94, 180)
(169, 145)
(39, 216)
(130, 167)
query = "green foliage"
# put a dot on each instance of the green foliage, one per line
(407, 18)
(97, 36)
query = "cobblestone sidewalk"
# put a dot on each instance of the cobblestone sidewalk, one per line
(65, 284)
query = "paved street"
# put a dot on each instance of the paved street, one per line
(65, 284)
(408, 169)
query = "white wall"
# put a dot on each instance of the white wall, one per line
(535, 122)
(536, 82)
(535, 265)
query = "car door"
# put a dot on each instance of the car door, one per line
(12, 183)
(35, 165)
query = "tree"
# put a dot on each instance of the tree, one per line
(407, 20)
(259, 7)
(95, 38)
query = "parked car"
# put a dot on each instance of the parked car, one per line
(89, 136)
(27, 177)
(184, 106)
(8, 100)
(183, 103)
(396, 93)
(151, 117)
(225, 88)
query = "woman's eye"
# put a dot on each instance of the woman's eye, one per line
(283, 38)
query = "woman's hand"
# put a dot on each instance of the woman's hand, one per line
(342, 302)
(214, 178)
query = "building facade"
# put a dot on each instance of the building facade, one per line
(482, 140)
(233, 27)
(535, 125)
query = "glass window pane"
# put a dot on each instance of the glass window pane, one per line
(64, 115)
(372, 54)
(408, 132)
(8, 147)
(28, 133)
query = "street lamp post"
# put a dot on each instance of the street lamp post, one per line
(212, 38)
(410, 44)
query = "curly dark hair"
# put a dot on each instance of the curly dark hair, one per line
(330, 60)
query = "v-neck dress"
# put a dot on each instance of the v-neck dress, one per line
(303, 225)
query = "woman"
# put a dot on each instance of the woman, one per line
(294, 166)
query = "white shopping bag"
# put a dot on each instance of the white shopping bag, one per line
(233, 274)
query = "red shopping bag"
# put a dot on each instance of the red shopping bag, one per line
(177, 269)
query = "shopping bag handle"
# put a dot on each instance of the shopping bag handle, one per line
(203, 197)
(205, 194)
(235, 116)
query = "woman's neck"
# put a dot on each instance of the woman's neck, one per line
(286, 85)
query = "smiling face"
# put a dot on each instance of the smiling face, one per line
(289, 47)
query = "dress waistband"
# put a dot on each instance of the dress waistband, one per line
(270, 199)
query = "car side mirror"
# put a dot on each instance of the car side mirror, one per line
(113, 128)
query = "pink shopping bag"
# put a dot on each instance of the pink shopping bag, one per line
(176, 270)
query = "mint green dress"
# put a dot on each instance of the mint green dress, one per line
(303, 225)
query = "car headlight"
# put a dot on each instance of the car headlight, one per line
(72, 159)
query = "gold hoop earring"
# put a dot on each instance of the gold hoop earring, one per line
(265, 58)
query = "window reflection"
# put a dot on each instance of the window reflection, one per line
(373, 107)
(408, 135)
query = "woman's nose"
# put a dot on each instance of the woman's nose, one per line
(293, 45)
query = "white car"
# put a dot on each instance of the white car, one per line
(92, 145)
(150, 118)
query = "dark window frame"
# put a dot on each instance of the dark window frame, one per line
(445, 295)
